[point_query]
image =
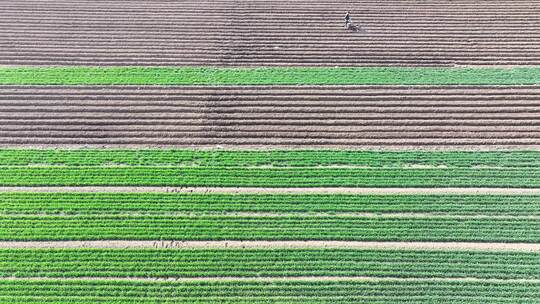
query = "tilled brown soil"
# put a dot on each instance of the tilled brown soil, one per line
(269, 33)
(266, 116)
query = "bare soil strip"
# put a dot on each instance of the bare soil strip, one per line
(245, 190)
(123, 244)
(269, 33)
(367, 117)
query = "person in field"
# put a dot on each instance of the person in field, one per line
(348, 19)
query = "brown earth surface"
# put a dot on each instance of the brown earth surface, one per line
(269, 33)
(476, 117)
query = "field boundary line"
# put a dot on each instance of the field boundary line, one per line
(276, 279)
(426, 147)
(258, 190)
(172, 244)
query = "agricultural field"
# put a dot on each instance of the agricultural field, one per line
(285, 226)
(254, 108)
(269, 33)
(223, 151)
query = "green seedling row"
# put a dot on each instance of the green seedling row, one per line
(389, 291)
(267, 76)
(168, 263)
(268, 177)
(109, 227)
(272, 158)
(268, 168)
(164, 203)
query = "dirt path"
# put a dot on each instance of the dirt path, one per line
(240, 190)
(122, 244)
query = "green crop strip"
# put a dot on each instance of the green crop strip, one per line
(164, 203)
(72, 263)
(267, 76)
(340, 292)
(294, 227)
(268, 169)
(272, 158)
(268, 177)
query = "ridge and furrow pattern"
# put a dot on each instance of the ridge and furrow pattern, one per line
(269, 33)
(276, 116)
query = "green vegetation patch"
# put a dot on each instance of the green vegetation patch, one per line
(216, 168)
(166, 263)
(268, 158)
(294, 227)
(192, 203)
(340, 292)
(267, 76)
(269, 177)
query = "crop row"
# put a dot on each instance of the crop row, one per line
(390, 291)
(275, 158)
(265, 76)
(268, 177)
(377, 228)
(266, 263)
(163, 203)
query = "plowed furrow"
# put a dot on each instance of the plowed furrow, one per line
(243, 135)
(487, 116)
(276, 122)
(136, 127)
(269, 33)
(446, 143)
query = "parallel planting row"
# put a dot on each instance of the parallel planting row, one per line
(382, 107)
(268, 33)
(269, 227)
(305, 76)
(124, 216)
(267, 246)
(275, 263)
(282, 291)
(271, 273)
(232, 169)
(20, 203)
(269, 177)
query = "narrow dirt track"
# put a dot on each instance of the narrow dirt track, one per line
(269, 33)
(167, 244)
(240, 190)
(271, 116)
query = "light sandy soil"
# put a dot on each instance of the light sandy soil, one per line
(121, 244)
(241, 190)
